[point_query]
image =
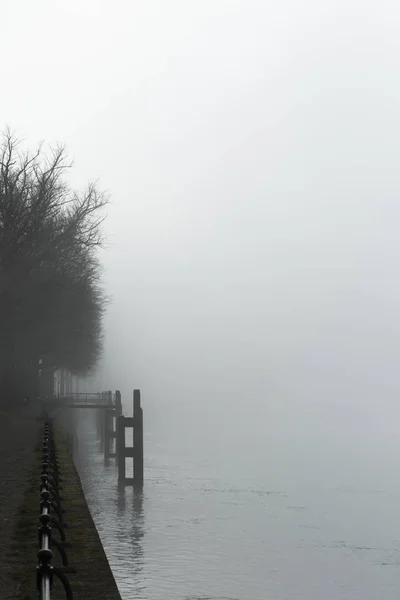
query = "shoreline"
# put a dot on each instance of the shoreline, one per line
(94, 578)
(21, 447)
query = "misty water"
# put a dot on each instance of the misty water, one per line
(239, 505)
(251, 153)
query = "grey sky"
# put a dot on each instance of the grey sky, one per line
(251, 151)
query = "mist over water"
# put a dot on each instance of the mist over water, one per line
(251, 151)
(227, 514)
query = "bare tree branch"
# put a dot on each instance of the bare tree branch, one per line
(50, 300)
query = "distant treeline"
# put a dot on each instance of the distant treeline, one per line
(51, 301)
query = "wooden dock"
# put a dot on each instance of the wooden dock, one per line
(111, 425)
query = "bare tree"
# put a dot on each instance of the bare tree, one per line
(51, 302)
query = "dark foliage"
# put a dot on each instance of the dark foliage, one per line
(51, 303)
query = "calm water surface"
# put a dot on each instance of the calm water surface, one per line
(238, 513)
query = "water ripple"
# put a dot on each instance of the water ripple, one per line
(194, 535)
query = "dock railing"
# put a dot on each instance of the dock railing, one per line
(51, 514)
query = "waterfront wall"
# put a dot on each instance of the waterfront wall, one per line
(93, 579)
(90, 575)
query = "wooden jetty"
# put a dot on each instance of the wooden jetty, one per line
(111, 425)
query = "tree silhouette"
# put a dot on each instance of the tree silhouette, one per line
(51, 301)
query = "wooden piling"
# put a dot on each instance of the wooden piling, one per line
(102, 428)
(135, 451)
(97, 422)
(118, 403)
(118, 413)
(121, 448)
(108, 431)
(105, 410)
(137, 439)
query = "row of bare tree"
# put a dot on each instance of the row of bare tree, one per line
(51, 302)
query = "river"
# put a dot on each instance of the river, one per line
(235, 510)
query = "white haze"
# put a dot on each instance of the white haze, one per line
(251, 150)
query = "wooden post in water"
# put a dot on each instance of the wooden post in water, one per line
(108, 431)
(136, 451)
(137, 439)
(102, 428)
(118, 413)
(121, 448)
(118, 403)
(97, 411)
(117, 449)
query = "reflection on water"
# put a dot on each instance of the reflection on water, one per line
(118, 513)
(135, 535)
(228, 523)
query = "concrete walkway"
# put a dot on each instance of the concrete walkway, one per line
(18, 436)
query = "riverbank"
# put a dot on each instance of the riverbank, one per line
(21, 435)
(93, 579)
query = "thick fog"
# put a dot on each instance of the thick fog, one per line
(251, 151)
